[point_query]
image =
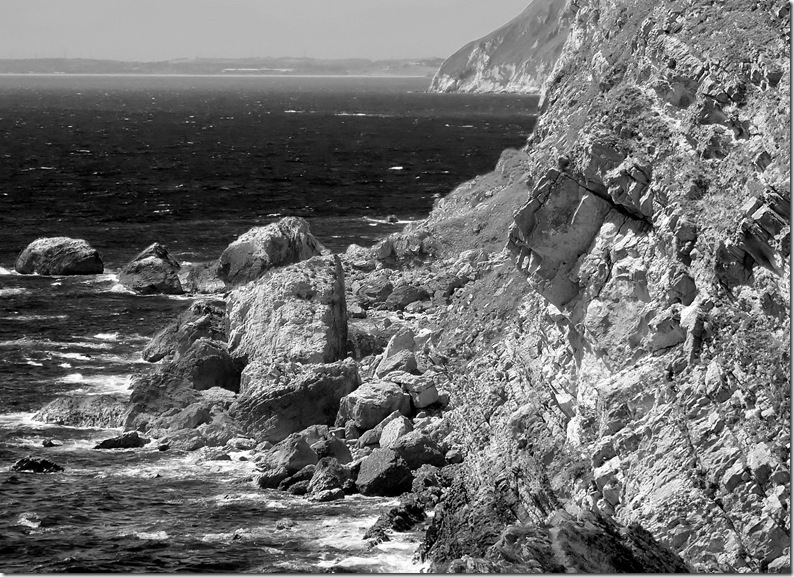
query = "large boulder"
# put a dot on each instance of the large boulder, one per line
(371, 403)
(285, 459)
(333, 447)
(130, 440)
(297, 313)
(153, 271)
(59, 255)
(262, 248)
(384, 473)
(203, 318)
(328, 474)
(279, 400)
(422, 389)
(100, 411)
(394, 430)
(418, 449)
(32, 465)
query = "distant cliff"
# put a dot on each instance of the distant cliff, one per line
(515, 58)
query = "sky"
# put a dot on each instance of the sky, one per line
(151, 30)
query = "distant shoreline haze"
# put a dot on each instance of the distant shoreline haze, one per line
(286, 66)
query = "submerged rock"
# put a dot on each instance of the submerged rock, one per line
(32, 465)
(59, 256)
(260, 249)
(152, 271)
(129, 440)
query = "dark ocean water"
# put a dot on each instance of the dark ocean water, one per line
(192, 162)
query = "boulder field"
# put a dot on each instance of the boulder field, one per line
(579, 361)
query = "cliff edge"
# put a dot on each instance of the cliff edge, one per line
(515, 58)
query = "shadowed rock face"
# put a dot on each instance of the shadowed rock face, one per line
(59, 255)
(153, 271)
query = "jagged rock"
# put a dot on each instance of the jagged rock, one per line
(152, 271)
(400, 518)
(404, 361)
(129, 440)
(32, 465)
(260, 249)
(203, 278)
(59, 256)
(370, 403)
(421, 388)
(327, 495)
(272, 407)
(305, 474)
(99, 411)
(761, 462)
(418, 449)
(183, 440)
(203, 318)
(372, 437)
(285, 459)
(208, 454)
(383, 473)
(328, 475)
(296, 314)
(375, 290)
(394, 430)
(404, 295)
(332, 447)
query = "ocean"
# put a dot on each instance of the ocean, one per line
(193, 162)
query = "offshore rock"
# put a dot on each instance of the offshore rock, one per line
(277, 401)
(129, 440)
(383, 473)
(203, 278)
(260, 249)
(203, 318)
(296, 313)
(32, 465)
(57, 256)
(99, 411)
(152, 271)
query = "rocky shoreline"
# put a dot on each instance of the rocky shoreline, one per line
(577, 362)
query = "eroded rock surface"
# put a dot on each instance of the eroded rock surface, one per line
(152, 271)
(59, 255)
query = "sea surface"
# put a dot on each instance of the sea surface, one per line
(192, 162)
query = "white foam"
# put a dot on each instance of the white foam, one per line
(99, 383)
(9, 292)
(153, 536)
(34, 363)
(73, 356)
(6, 271)
(107, 336)
(396, 168)
(118, 288)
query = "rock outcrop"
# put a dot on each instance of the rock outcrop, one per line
(260, 249)
(152, 271)
(59, 256)
(515, 58)
(100, 411)
(202, 319)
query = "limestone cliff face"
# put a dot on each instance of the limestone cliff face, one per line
(515, 58)
(627, 356)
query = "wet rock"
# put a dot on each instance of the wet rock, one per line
(59, 256)
(207, 454)
(152, 271)
(328, 474)
(400, 518)
(295, 314)
(285, 459)
(333, 447)
(203, 278)
(49, 443)
(183, 440)
(300, 488)
(99, 411)
(383, 473)
(30, 464)
(327, 495)
(285, 242)
(305, 474)
(418, 449)
(371, 403)
(202, 319)
(129, 440)
(276, 402)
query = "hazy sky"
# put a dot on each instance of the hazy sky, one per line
(164, 29)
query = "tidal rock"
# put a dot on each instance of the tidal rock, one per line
(32, 465)
(99, 411)
(327, 495)
(153, 271)
(371, 403)
(182, 440)
(305, 474)
(295, 314)
(203, 318)
(285, 459)
(129, 440)
(59, 255)
(328, 474)
(400, 518)
(203, 278)
(418, 449)
(383, 473)
(278, 401)
(260, 249)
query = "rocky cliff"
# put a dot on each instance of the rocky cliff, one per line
(627, 356)
(515, 58)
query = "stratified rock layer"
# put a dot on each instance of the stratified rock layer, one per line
(59, 255)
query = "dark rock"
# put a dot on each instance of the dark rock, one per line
(404, 295)
(152, 271)
(49, 443)
(163, 447)
(400, 518)
(100, 411)
(202, 319)
(328, 474)
(270, 408)
(31, 465)
(129, 440)
(59, 255)
(372, 437)
(333, 447)
(375, 290)
(260, 249)
(299, 488)
(304, 474)
(285, 459)
(383, 473)
(183, 440)
(418, 449)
